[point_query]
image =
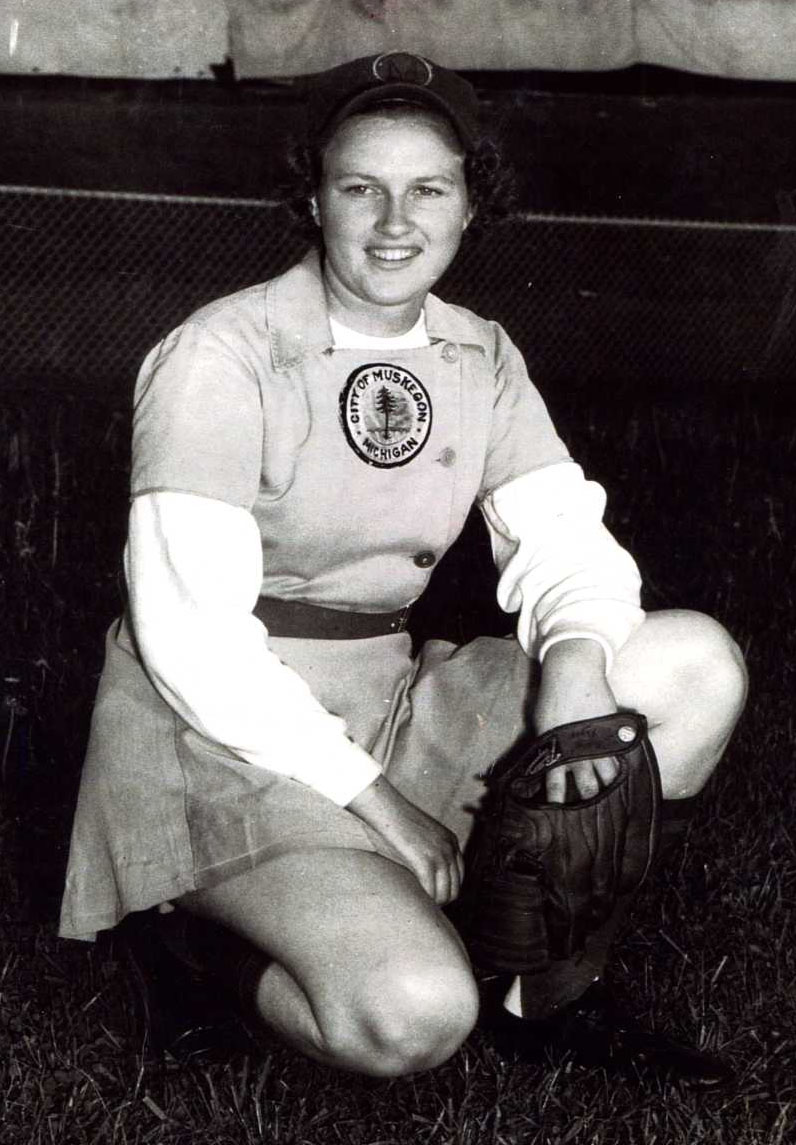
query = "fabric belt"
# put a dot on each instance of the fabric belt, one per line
(314, 622)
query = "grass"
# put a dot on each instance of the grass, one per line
(702, 492)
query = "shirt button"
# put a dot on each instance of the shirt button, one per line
(450, 352)
(425, 559)
(447, 457)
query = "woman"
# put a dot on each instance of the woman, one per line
(266, 754)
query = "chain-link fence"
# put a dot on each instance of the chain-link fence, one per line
(91, 280)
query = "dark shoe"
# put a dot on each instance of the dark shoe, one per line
(178, 1008)
(593, 1031)
(213, 954)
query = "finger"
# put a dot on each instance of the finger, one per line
(455, 869)
(459, 871)
(556, 785)
(454, 863)
(607, 769)
(455, 878)
(442, 888)
(427, 877)
(586, 780)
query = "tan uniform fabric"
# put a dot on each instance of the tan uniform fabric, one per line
(244, 404)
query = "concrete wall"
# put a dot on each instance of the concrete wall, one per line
(272, 38)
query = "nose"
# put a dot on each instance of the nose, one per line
(394, 219)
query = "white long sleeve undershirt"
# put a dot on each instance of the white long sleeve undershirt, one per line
(194, 572)
(559, 565)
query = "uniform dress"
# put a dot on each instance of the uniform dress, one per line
(304, 470)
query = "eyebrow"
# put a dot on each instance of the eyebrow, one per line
(376, 178)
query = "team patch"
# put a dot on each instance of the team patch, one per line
(386, 414)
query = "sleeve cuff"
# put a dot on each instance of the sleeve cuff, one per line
(622, 629)
(341, 772)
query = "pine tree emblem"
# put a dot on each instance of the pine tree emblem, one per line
(386, 404)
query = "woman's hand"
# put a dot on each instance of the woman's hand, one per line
(574, 687)
(430, 850)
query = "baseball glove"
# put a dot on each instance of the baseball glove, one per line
(545, 875)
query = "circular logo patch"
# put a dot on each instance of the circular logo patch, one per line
(386, 414)
(403, 67)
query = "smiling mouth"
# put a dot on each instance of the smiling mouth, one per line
(393, 254)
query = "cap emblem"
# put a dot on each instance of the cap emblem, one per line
(403, 67)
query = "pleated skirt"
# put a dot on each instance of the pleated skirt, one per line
(163, 810)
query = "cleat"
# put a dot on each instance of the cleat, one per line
(593, 1032)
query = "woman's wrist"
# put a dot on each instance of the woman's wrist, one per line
(374, 803)
(579, 654)
(573, 685)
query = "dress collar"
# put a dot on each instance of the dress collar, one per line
(298, 321)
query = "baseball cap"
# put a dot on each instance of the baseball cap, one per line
(400, 76)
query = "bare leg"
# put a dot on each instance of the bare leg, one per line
(686, 675)
(367, 973)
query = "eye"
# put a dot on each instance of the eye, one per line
(426, 191)
(360, 189)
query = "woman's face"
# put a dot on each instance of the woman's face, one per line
(392, 205)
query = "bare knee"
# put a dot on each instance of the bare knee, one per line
(712, 670)
(408, 1019)
(700, 690)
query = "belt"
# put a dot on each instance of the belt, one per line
(313, 622)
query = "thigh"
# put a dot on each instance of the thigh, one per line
(463, 709)
(337, 921)
(355, 679)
